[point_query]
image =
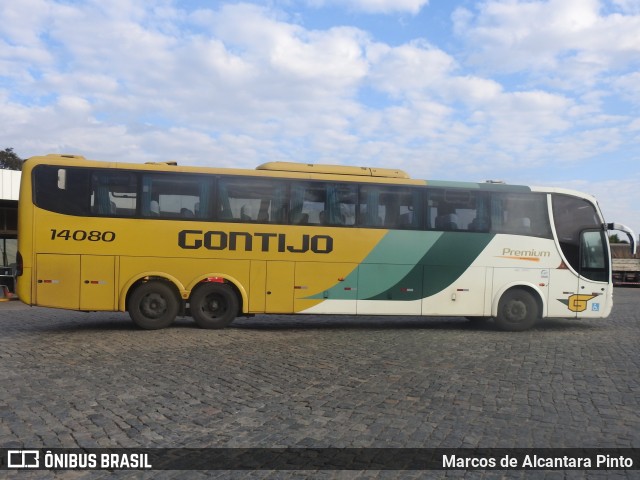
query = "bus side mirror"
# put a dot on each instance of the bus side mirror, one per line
(628, 231)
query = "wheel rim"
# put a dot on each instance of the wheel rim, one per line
(516, 311)
(214, 306)
(153, 305)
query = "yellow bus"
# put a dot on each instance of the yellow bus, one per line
(161, 240)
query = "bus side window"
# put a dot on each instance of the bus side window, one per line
(340, 206)
(173, 196)
(520, 214)
(441, 211)
(253, 200)
(447, 218)
(308, 204)
(113, 193)
(319, 203)
(458, 210)
(389, 207)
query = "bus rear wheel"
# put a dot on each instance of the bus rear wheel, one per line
(153, 305)
(517, 311)
(214, 305)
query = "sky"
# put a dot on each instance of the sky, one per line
(529, 92)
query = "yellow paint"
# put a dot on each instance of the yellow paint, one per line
(142, 247)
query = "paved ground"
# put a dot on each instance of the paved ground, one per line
(92, 380)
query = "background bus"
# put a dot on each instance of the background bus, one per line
(159, 240)
(9, 190)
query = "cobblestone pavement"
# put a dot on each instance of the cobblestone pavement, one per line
(93, 380)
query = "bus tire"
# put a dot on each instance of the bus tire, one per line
(153, 305)
(517, 311)
(214, 305)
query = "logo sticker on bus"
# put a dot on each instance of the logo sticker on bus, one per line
(578, 303)
(264, 242)
(527, 255)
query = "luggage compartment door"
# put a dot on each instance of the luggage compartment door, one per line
(58, 281)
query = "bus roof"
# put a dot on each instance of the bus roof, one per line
(309, 171)
(332, 169)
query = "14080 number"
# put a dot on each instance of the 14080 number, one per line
(81, 235)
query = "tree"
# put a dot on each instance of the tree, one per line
(9, 160)
(614, 238)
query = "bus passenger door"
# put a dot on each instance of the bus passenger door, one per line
(97, 289)
(279, 287)
(587, 294)
(58, 281)
(594, 283)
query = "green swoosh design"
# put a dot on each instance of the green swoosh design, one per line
(431, 260)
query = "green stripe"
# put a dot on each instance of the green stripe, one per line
(443, 263)
(396, 255)
(450, 257)
(408, 265)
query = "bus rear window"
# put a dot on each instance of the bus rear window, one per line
(61, 190)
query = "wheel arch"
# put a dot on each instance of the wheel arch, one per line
(233, 282)
(134, 282)
(533, 289)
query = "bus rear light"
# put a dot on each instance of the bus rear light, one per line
(215, 280)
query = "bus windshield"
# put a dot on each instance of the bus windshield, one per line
(571, 217)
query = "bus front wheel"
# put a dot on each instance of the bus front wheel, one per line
(153, 305)
(214, 305)
(517, 311)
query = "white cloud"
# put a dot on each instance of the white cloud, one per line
(627, 86)
(249, 71)
(245, 75)
(23, 20)
(376, 6)
(331, 57)
(567, 38)
(472, 90)
(628, 6)
(539, 86)
(407, 69)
